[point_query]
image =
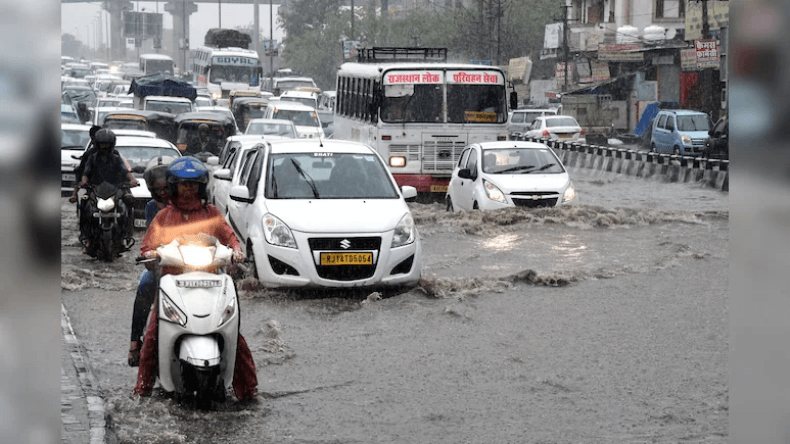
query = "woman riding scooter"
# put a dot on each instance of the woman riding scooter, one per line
(188, 213)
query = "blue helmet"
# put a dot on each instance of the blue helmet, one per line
(187, 169)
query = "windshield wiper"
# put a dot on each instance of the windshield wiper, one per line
(72, 147)
(306, 176)
(517, 168)
(548, 165)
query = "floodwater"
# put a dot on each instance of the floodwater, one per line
(604, 321)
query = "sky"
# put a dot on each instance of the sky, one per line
(77, 18)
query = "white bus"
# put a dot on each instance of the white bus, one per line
(156, 63)
(419, 111)
(222, 70)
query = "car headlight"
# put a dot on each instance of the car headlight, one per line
(570, 193)
(686, 140)
(493, 192)
(405, 232)
(171, 312)
(276, 232)
(105, 204)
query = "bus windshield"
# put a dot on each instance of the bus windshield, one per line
(159, 66)
(422, 103)
(236, 74)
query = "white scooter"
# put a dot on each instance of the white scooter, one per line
(198, 320)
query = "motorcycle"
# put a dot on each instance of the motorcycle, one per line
(198, 319)
(105, 232)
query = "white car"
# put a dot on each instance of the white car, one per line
(277, 128)
(308, 98)
(564, 128)
(308, 124)
(314, 213)
(226, 167)
(493, 175)
(137, 151)
(74, 139)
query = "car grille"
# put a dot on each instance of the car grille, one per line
(534, 199)
(345, 272)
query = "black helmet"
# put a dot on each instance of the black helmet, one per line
(187, 169)
(104, 140)
(156, 171)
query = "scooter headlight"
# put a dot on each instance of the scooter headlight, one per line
(405, 232)
(493, 192)
(171, 313)
(105, 204)
(276, 232)
(197, 256)
(228, 313)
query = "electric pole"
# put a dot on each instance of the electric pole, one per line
(565, 48)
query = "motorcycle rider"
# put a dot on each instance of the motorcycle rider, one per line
(105, 164)
(188, 213)
(156, 182)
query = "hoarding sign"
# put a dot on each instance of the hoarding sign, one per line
(707, 52)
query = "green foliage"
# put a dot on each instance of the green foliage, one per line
(316, 28)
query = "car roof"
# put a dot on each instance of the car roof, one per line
(682, 111)
(295, 93)
(274, 121)
(295, 106)
(74, 127)
(169, 98)
(153, 142)
(135, 133)
(503, 144)
(318, 146)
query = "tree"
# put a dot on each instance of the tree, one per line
(70, 46)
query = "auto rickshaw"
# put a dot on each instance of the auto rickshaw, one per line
(158, 122)
(239, 93)
(245, 109)
(191, 142)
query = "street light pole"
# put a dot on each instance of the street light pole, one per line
(271, 43)
(220, 13)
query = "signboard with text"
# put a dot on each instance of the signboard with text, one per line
(560, 69)
(412, 77)
(623, 52)
(707, 52)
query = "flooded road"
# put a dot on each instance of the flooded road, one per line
(604, 321)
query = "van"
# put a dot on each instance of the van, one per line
(679, 131)
(520, 120)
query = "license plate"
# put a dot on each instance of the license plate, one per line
(438, 188)
(346, 258)
(69, 177)
(139, 223)
(563, 136)
(97, 214)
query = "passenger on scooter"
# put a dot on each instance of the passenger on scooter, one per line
(104, 165)
(188, 213)
(156, 182)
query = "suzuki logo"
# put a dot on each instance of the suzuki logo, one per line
(345, 244)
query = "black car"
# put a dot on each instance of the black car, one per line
(717, 143)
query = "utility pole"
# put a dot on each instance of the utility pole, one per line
(707, 77)
(565, 49)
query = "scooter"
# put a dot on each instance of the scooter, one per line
(106, 234)
(198, 319)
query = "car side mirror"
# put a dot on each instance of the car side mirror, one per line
(240, 193)
(409, 192)
(213, 160)
(223, 174)
(465, 173)
(513, 100)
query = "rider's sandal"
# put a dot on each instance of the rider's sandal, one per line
(134, 355)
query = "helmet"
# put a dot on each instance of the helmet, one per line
(202, 127)
(155, 172)
(104, 140)
(187, 169)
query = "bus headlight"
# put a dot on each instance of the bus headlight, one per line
(216, 96)
(397, 161)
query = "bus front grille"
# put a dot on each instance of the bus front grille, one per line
(437, 157)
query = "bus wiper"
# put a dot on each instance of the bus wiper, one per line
(517, 168)
(306, 177)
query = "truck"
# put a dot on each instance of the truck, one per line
(161, 92)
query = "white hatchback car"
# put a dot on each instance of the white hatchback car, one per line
(226, 166)
(493, 175)
(314, 213)
(564, 128)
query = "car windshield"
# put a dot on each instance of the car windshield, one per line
(74, 139)
(299, 118)
(521, 161)
(168, 107)
(272, 129)
(303, 100)
(125, 124)
(141, 155)
(561, 121)
(328, 176)
(697, 122)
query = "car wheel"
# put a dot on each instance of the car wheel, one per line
(449, 202)
(653, 148)
(676, 151)
(251, 260)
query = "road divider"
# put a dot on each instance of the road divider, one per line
(667, 167)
